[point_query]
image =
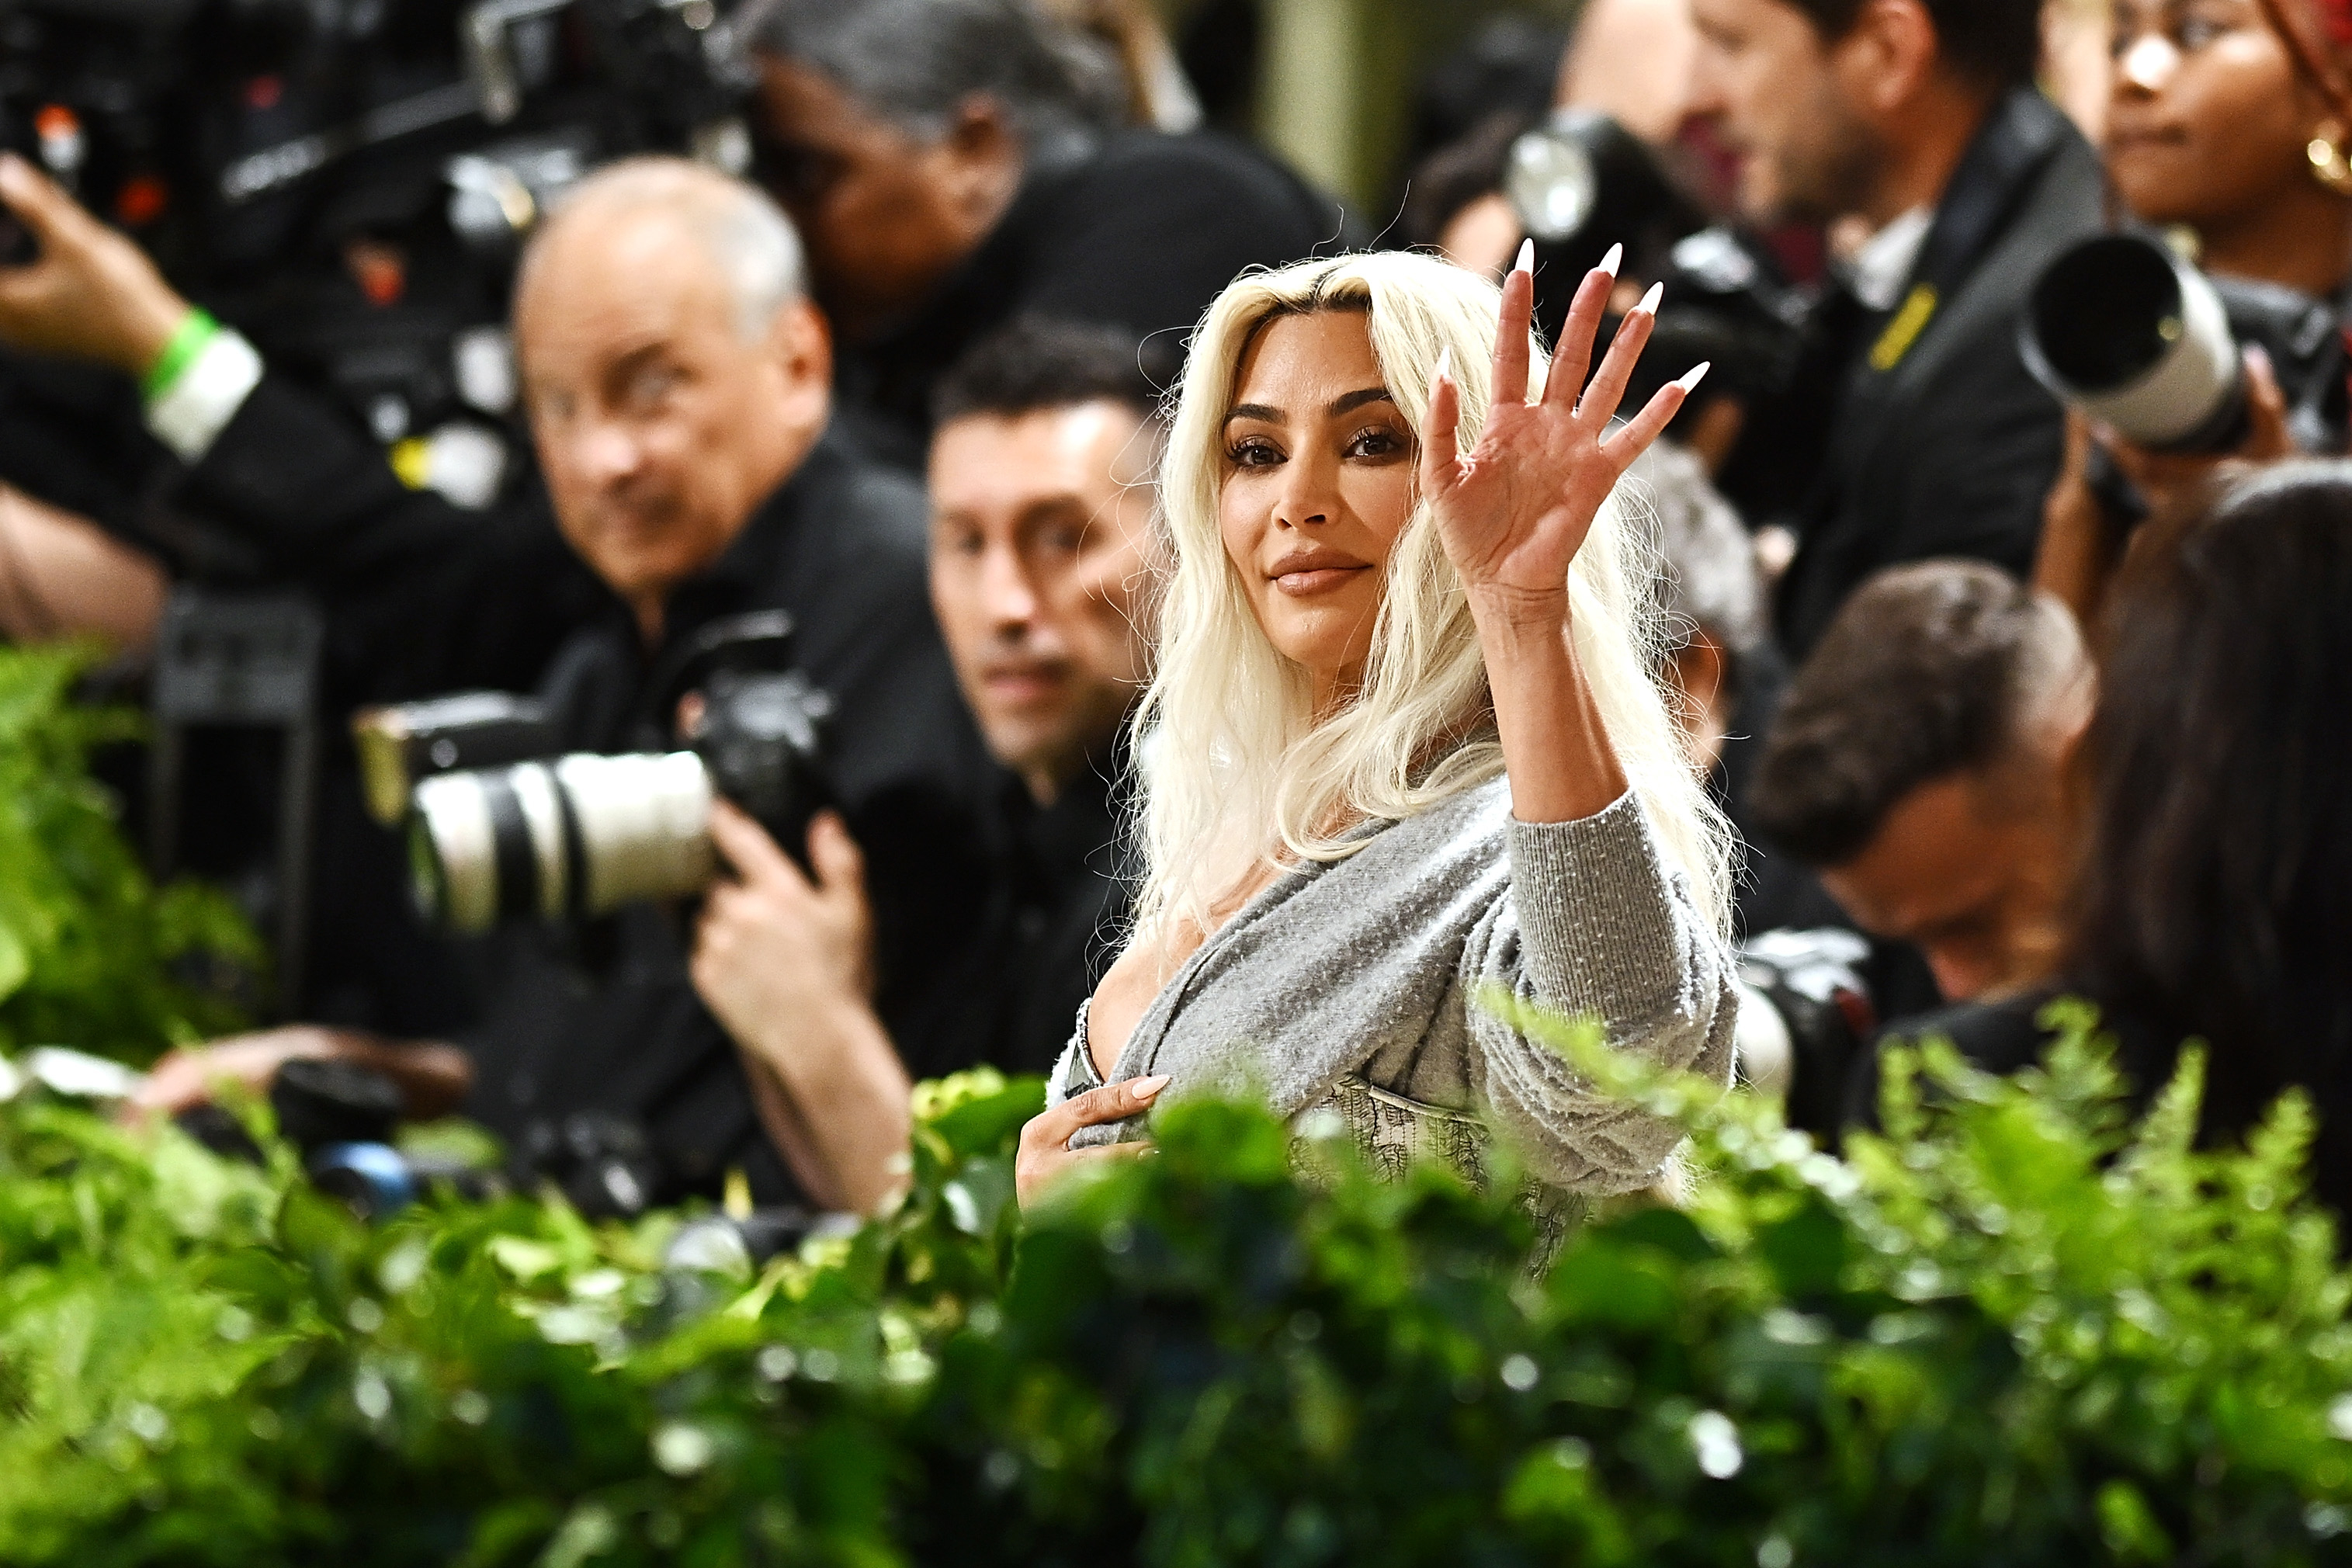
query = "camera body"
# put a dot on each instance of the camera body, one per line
(1581, 182)
(1807, 1003)
(569, 837)
(2125, 329)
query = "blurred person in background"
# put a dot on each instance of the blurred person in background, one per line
(1919, 121)
(952, 173)
(1725, 670)
(1158, 95)
(2215, 880)
(677, 381)
(1041, 558)
(1918, 763)
(2231, 120)
(2078, 61)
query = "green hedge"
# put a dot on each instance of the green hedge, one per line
(90, 950)
(2019, 1331)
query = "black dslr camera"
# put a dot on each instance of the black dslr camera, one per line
(561, 838)
(1816, 1019)
(2125, 329)
(1581, 182)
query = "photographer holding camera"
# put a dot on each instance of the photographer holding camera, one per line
(1041, 554)
(951, 173)
(2230, 122)
(1919, 119)
(677, 384)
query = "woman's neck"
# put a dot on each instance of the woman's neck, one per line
(1335, 689)
(2304, 241)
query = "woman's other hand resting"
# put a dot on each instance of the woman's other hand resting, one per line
(1046, 1155)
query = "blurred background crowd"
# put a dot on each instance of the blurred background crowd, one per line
(633, 518)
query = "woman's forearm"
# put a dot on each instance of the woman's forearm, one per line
(1555, 746)
(847, 1112)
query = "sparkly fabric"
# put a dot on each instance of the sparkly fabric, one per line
(1365, 968)
(1393, 1134)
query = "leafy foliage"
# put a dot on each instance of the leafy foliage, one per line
(91, 953)
(2017, 1331)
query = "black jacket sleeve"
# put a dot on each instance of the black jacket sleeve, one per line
(420, 597)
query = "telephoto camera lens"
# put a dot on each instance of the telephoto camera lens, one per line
(2124, 331)
(584, 834)
(578, 835)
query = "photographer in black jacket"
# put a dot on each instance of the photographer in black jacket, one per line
(1920, 119)
(951, 172)
(1042, 561)
(677, 382)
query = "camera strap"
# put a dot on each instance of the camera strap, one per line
(2021, 135)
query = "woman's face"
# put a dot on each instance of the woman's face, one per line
(1318, 480)
(2210, 118)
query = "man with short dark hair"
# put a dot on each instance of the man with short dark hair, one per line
(1041, 557)
(1919, 120)
(953, 170)
(1043, 566)
(1918, 763)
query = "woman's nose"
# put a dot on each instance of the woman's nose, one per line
(2148, 63)
(1306, 497)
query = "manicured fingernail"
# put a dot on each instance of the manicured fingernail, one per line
(1445, 363)
(1527, 261)
(1689, 384)
(1145, 1087)
(1650, 301)
(1614, 260)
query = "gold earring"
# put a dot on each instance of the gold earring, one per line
(2328, 164)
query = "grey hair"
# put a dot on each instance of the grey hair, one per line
(1709, 577)
(746, 234)
(914, 62)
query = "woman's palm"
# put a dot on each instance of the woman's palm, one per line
(1515, 511)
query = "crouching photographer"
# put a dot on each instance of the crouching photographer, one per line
(677, 385)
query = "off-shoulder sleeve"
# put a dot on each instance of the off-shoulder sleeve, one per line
(1598, 925)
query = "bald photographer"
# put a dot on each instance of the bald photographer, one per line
(677, 384)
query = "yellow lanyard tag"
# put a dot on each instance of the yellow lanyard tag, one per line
(1904, 328)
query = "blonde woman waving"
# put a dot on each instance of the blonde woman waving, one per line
(1404, 740)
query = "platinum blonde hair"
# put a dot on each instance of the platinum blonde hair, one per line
(1243, 772)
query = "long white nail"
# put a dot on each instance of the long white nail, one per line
(1445, 363)
(1650, 301)
(1614, 260)
(1689, 384)
(1527, 261)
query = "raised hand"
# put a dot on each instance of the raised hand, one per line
(91, 294)
(1515, 511)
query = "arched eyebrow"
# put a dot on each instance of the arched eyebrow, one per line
(1339, 408)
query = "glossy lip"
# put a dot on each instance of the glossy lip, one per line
(1303, 573)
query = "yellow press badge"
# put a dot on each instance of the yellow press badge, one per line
(1904, 328)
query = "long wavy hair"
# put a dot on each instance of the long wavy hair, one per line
(1240, 770)
(2216, 887)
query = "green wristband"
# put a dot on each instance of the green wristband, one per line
(196, 329)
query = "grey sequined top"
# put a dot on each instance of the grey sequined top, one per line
(1360, 972)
